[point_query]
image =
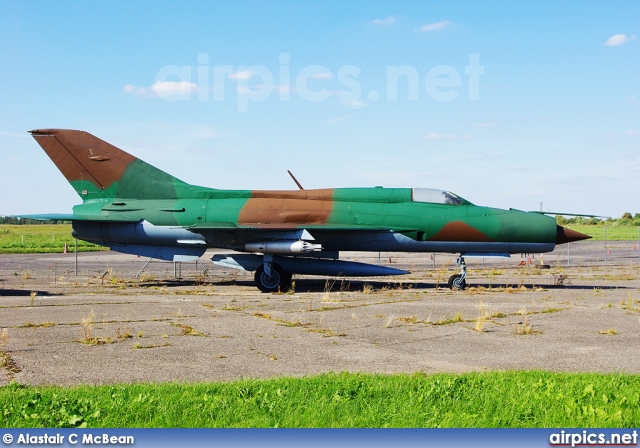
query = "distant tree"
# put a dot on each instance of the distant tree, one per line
(626, 215)
(24, 221)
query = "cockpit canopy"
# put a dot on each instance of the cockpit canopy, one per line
(436, 196)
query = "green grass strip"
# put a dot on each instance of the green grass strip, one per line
(494, 399)
(40, 239)
(614, 232)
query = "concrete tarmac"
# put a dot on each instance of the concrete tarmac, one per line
(104, 326)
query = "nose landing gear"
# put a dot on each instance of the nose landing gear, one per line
(458, 281)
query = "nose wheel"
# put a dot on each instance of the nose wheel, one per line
(458, 281)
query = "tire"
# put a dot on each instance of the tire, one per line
(456, 282)
(279, 280)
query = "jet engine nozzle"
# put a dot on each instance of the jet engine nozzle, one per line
(283, 247)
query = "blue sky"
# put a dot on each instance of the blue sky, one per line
(507, 104)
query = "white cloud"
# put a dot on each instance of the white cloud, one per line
(138, 91)
(633, 99)
(388, 21)
(244, 75)
(205, 131)
(164, 89)
(325, 75)
(355, 104)
(170, 88)
(631, 133)
(485, 125)
(242, 90)
(284, 89)
(436, 136)
(434, 26)
(337, 119)
(619, 39)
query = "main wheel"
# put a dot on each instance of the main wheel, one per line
(456, 282)
(279, 279)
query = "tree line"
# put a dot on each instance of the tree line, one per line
(625, 220)
(24, 221)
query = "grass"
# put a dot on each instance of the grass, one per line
(614, 233)
(45, 238)
(490, 399)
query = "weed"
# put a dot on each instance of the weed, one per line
(610, 331)
(187, 330)
(409, 320)
(138, 346)
(87, 325)
(482, 319)
(42, 325)
(271, 357)
(561, 279)
(389, 322)
(147, 278)
(122, 334)
(98, 341)
(4, 337)
(524, 327)
(231, 308)
(325, 332)
(200, 278)
(6, 361)
(25, 275)
(367, 288)
(328, 286)
(455, 319)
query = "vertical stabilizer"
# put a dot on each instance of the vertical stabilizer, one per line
(97, 169)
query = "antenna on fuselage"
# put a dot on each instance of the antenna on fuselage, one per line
(295, 180)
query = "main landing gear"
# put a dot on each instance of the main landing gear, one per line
(270, 277)
(457, 281)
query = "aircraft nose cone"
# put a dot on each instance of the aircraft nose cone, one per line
(564, 235)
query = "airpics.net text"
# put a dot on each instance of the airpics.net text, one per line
(314, 83)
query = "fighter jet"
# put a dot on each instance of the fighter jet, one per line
(135, 208)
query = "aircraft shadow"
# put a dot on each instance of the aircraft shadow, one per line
(336, 285)
(25, 293)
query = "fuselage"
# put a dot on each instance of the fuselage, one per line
(341, 219)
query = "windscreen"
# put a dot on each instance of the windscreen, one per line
(435, 196)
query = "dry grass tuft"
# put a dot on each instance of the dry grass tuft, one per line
(87, 325)
(524, 327)
(482, 318)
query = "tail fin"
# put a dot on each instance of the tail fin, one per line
(97, 169)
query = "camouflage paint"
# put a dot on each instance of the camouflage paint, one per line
(115, 185)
